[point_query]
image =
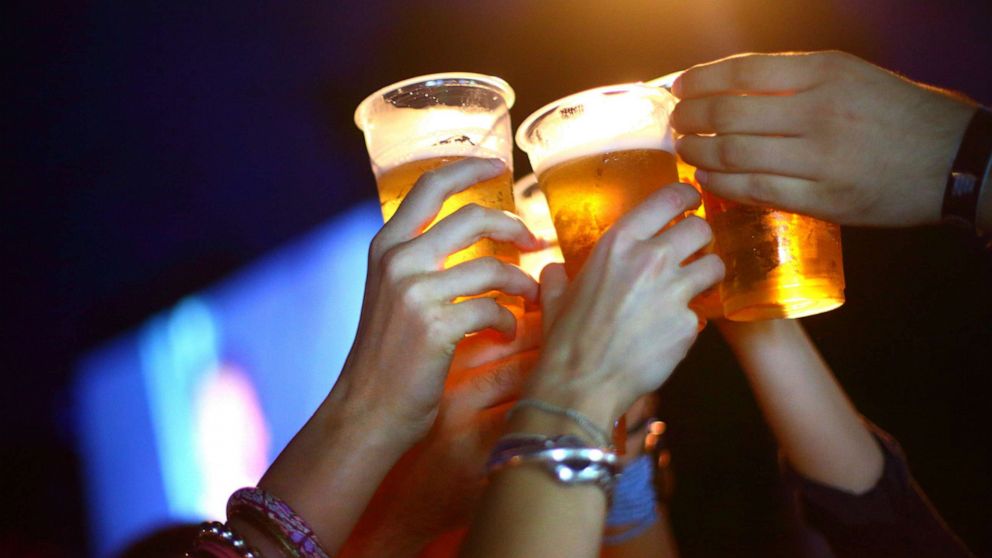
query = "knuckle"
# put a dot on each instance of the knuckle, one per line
(832, 59)
(615, 241)
(411, 291)
(662, 257)
(430, 180)
(731, 152)
(667, 257)
(489, 265)
(675, 198)
(378, 247)
(436, 325)
(473, 211)
(761, 188)
(724, 113)
(688, 324)
(489, 309)
(392, 261)
(742, 73)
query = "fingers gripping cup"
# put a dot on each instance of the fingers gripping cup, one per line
(779, 264)
(598, 154)
(417, 125)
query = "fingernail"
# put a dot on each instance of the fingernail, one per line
(540, 245)
(702, 177)
(677, 87)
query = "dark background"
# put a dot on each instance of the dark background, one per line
(149, 149)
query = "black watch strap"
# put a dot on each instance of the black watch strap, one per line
(970, 169)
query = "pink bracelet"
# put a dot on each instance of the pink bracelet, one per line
(276, 518)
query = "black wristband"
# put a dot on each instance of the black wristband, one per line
(969, 171)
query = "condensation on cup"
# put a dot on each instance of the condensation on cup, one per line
(779, 264)
(419, 124)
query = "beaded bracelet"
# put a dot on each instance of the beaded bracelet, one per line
(634, 505)
(218, 539)
(276, 518)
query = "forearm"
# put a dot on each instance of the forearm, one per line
(817, 427)
(658, 542)
(331, 468)
(384, 538)
(525, 512)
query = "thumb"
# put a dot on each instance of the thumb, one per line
(554, 283)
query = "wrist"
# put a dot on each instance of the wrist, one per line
(749, 335)
(388, 538)
(257, 538)
(354, 415)
(948, 133)
(600, 403)
(361, 428)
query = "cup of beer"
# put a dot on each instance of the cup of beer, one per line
(597, 154)
(779, 264)
(707, 304)
(419, 124)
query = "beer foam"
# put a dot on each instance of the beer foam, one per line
(606, 146)
(409, 135)
(402, 154)
(612, 118)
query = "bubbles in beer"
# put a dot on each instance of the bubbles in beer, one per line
(396, 183)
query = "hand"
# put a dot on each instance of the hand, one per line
(434, 487)
(388, 393)
(619, 330)
(824, 133)
(409, 325)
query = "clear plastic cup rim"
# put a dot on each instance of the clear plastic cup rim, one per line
(535, 117)
(497, 85)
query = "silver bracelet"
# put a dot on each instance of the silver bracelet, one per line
(221, 533)
(601, 437)
(563, 457)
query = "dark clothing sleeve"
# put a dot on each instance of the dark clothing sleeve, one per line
(894, 518)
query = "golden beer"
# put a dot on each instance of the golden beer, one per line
(394, 184)
(588, 194)
(779, 264)
(707, 304)
(598, 154)
(419, 124)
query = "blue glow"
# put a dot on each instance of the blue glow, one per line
(177, 350)
(287, 322)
